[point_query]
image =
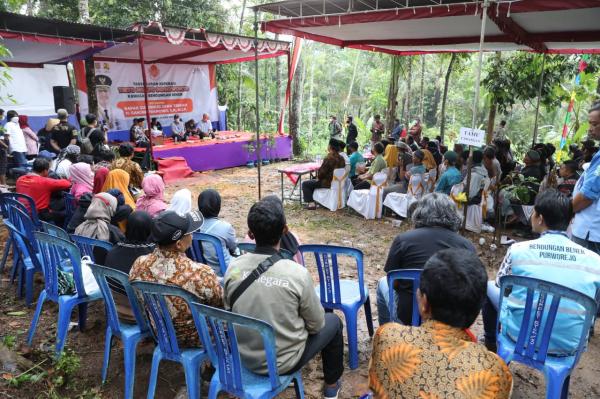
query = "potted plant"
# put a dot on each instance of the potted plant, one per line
(250, 150)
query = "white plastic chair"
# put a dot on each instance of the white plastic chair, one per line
(369, 202)
(399, 202)
(333, 198)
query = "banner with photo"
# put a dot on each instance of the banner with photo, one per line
(186, 90)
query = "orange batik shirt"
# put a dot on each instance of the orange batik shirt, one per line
(434, 361)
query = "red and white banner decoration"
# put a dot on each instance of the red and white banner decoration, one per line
(244, 44)
(186, 90)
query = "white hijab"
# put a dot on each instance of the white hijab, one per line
(181, 202)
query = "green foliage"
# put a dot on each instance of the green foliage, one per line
(9, 341)
(515, 79)
(521, 188)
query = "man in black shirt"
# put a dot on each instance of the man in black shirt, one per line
(436, 223)
(62, 134)
(352, 131)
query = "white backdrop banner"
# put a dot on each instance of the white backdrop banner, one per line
(186, 90)
(31, 89)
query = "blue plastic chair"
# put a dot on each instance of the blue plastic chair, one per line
(153, 296)
(70, 206)
(87, 245)
(55, 231)
(197, 249)
(413, 275)
(247, 247)
(219, 338)
(531, 347)
(6, 205)
(29, 204)
(54, 254)
(345, 295)
(27, 264)
(129, 334)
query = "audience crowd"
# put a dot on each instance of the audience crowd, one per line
(151, 237)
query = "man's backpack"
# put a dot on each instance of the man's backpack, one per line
(86, 144)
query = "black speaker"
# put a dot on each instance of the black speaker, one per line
(64, 98)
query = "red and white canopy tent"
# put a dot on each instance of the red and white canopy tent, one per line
(411, 27)
(406, 27)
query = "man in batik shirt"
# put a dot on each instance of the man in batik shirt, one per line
(168, 264)
(438, 359)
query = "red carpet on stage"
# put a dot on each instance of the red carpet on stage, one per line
(173, 168)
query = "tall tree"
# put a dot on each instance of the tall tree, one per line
(295, 113)
(238, 118)
(392, 97)
(445, 96)
(422, 96)
(407, 95)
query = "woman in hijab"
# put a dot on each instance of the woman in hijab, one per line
(119, 179)
(97, 220)
(209, 204)
(152, 201)
(99, 179)
(391, 156)
(181, 202)
(82, 178)
(31, 138)
(123, 210)
(121, 257)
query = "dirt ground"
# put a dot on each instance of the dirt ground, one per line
(238, 188)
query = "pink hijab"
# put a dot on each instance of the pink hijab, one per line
(82, 177)
(99, 179)
(152, 201)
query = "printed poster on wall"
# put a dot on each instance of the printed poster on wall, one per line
(186, 90)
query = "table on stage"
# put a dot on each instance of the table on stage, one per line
(295, 173)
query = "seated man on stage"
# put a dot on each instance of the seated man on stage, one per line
(191, 128)
(137, 133)
(205, 127)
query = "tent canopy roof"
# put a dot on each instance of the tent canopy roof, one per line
(35, 41)
(407, 27)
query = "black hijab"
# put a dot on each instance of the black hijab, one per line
(209, 203)
(139, 224)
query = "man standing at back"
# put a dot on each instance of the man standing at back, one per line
(335, 128)
(586, 225)
(283, 295)
(64, 133)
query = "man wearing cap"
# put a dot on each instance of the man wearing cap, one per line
(335, 128)
(168, 264)
(451, 176)
(586, 195)
(63, 134)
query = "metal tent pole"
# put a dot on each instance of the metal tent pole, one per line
(258, 146)
(145, 82)
(539, 95)
(475, 104)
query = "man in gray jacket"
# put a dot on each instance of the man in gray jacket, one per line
(283, 296)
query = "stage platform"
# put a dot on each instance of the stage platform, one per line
(226, 151)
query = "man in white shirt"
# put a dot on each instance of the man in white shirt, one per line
(205, 127)
(16, 139)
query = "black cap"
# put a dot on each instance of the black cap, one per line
(169, 227)
(103, 80)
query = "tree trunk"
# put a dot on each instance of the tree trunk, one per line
(351, 84)
(432, 115)
(445, 96)
(407, 96)
(84, 11)
(392, 103)
(297, 86)
(491, 121)
(422, 102)
(278, 86)
(311, 108)
(30, 7)
(238, 118)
